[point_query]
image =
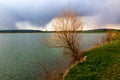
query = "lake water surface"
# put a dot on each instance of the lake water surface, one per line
(20, 53)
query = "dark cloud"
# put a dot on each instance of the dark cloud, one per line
(36, 13)
(39, 12)
(109, 11)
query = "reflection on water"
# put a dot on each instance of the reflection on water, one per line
(20, 53)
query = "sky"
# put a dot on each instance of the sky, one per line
(38, 14)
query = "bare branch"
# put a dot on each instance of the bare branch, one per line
(67, 36)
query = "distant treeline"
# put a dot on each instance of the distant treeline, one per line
(39, 31)
(101, 30)
(20, 31)
(87, 31)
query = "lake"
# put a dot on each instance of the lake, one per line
(21, 53)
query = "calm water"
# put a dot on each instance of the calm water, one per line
(20, 54)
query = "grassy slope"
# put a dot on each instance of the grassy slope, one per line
(102, 63)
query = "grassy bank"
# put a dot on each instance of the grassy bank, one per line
(103, 63)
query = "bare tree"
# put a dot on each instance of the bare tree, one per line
(110, 35)
(49, 73)
(68, 28)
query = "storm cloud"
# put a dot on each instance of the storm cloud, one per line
(41, 12)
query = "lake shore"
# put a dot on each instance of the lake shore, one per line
(102, 63)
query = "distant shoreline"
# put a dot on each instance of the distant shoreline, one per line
(39, 31)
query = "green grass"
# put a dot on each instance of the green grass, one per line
(103, 63)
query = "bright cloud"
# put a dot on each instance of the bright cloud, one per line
(28, 26)
(89, 24)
